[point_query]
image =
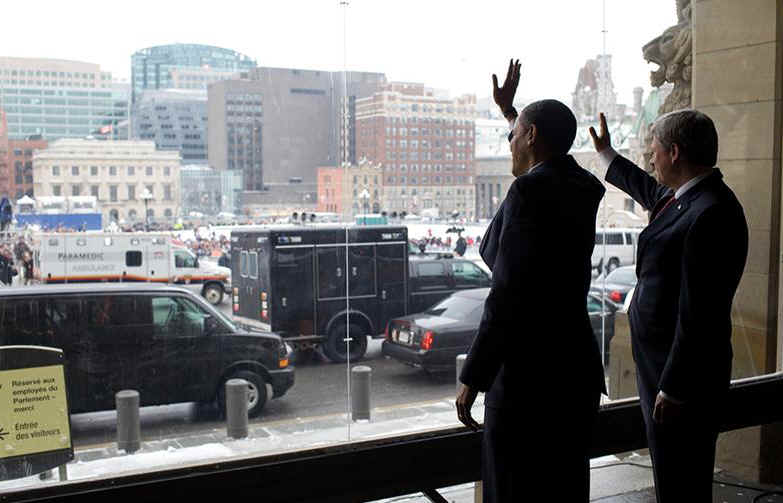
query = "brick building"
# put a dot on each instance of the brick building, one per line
(5, 175)
(425, 143)
(20, 165)
(347, 197)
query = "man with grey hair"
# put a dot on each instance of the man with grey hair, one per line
(689, 262)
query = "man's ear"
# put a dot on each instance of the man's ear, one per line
(674, 151)
(532, 134)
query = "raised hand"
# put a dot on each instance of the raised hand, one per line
(603, 141)
(504, 96)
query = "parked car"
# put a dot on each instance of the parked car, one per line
(433, 278)
(614, 247)
(433, 338)
(617, 285)
(165, 342)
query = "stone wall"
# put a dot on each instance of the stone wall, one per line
(737, 69)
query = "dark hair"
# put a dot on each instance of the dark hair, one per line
(555, 123)
(693, 132)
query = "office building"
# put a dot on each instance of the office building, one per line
(175, 119)
(183, 66)
(425, 142)
(60, 99)
(281, 124)
(209, 191)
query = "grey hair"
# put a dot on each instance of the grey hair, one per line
(693, 132)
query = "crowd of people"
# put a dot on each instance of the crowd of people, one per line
(16, 261)
(435, 243)
(214, 246)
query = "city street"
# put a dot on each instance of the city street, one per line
(320, 391)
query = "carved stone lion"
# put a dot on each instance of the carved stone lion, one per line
(672, 52)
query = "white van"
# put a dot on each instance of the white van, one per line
(153, 258)
(620, 248)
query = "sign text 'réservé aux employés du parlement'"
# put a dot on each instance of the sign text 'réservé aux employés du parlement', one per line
(33, 411)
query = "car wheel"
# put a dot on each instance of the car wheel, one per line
(612, 265)
(335, 345)
(214, 294)
(256, 396)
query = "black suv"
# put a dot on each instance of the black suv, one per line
(434, 277)
(162, 341)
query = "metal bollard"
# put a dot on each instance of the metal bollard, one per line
(236, 408)
(361, 378)
(460, 363)
(128, 428)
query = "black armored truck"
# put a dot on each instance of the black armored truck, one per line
(318, 286)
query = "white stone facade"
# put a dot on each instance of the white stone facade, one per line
(117, 172)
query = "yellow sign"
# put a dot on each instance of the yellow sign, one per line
(33, 411)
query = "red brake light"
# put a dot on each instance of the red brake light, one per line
(386, 332)
(427, 339)
(615, 296)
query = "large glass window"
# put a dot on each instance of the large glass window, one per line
(339, 216)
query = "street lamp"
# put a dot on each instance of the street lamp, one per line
(365, 197)
(146, 196)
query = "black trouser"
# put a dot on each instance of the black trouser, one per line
(683, 455)
(539, 454)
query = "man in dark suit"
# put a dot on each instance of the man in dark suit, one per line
(535, 336)
(690, 260)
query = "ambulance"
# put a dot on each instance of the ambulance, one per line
(128, 257)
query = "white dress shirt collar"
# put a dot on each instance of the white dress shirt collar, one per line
(690, 184)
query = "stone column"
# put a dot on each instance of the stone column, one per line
(737, 70)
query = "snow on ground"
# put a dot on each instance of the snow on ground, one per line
(416, 230)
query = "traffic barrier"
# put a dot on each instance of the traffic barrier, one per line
(128, 427)
(361, 378)
(236, 408)
(460, 363)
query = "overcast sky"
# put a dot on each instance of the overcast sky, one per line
(449, 44)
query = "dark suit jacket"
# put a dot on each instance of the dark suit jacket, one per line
(535, 329)
(689, 263)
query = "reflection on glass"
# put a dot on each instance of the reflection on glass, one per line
(409, 145)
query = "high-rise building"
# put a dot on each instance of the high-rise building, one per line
(116, 172)
(281, 124)
(235, 115)
(425, 142)
(184, 66)
(175, 119)
(57, 98)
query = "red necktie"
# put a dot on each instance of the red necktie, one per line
(668, 203)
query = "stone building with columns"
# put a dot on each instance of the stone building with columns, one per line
(116, 172)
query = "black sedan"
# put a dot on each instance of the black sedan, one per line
(617, 284)
(433, 339)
